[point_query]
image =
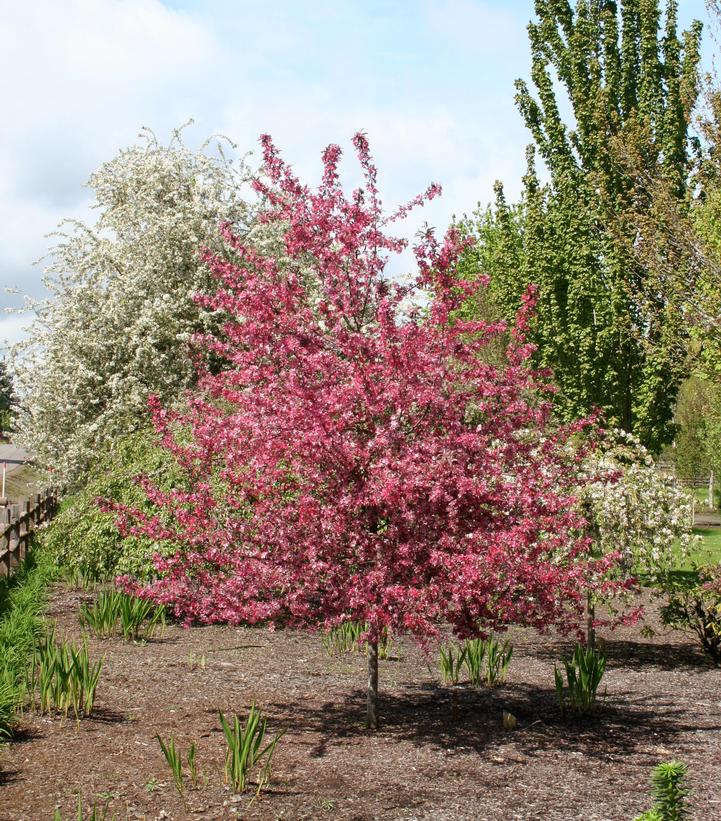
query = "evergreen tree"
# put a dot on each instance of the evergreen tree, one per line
(630, 80)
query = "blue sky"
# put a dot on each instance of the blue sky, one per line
(430, 81)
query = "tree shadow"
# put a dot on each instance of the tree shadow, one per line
(8, 777)
(637, 655)
(634, 655)
(105, 715)
(452, 718)
(23, 735)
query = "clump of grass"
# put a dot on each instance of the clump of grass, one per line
(246, 751)
(63, 678)
(452, 658)
(498, 660)
(584, 671)
(114, 611)
(485, 661)
(94, 814)
(22, 599)
(174, 761)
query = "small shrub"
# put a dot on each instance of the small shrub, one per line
(84, 539)
(694, 605)
(584, 671)
(245, 750)
(669, 793)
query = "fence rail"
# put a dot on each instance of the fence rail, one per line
(17, 522)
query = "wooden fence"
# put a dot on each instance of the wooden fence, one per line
(17, 522)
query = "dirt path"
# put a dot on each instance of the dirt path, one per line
(437, 756)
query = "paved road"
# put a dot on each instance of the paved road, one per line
(13, 456)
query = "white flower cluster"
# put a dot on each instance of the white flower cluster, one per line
(634, 509)
(116, 325)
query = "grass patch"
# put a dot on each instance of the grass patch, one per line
(22, 600)
(710, 551)
(700, 494)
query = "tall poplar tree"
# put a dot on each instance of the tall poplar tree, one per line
(630, 78)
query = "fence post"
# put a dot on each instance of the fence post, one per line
(5, 542)
(24, 530)
(37, 511)
(17, 522)
(14, 533)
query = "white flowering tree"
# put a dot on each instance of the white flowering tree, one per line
(121, 308)
(635, 510)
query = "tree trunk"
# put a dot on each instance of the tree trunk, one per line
(591, 617)
(372, 701)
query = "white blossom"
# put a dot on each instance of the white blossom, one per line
(634, 509)
(120, 313)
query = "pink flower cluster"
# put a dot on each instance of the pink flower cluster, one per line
(352, 460)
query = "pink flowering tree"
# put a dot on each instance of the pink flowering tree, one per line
(357, 458)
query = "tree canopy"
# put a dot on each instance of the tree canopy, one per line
(630, 79)
(121, 308)
(357, 461)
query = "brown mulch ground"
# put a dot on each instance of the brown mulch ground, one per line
(428, 761)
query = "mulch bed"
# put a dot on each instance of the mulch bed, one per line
(441, 753)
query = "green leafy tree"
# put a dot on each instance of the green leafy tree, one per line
(629, 78)
(697, 409)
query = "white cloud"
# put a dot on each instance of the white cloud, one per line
(87, 74)
(80, 77)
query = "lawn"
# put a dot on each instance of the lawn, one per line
(442, 752)
(700, 494)
(710, 550)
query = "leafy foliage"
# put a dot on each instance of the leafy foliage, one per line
(84, 539)
(693, 604)
(584, 671)
(628, 84)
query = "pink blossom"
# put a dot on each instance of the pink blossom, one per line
(352, 461)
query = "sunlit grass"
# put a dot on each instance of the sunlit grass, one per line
(710, 550)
